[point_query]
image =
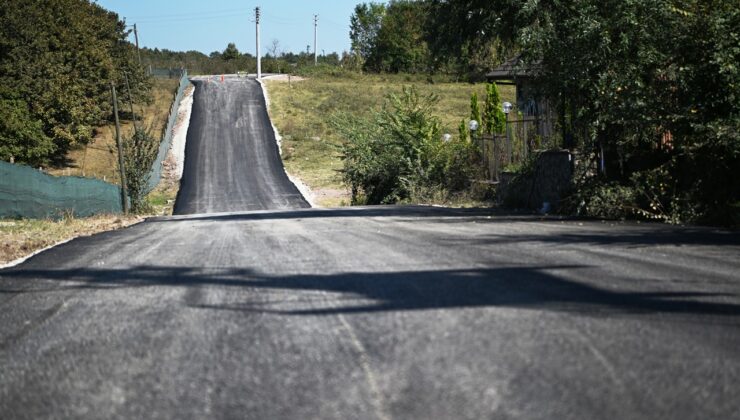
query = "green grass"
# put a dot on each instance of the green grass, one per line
(302, 110)
(162, 199)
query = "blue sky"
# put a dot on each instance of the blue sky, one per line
(209, 25)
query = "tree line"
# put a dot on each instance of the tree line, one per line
(231, 60)
(407, 36)
(57, 60)
(647, 90)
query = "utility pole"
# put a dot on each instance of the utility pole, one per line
(130, 102)
(136, 38)
(124, 189)
(315, 29)
(259, 58)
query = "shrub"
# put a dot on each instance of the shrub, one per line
(494, 119)
(475, 109)
(140, 151)
(398, 152)
(22, 137)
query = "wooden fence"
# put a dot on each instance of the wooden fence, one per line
(522, 136)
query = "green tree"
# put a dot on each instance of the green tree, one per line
(59, 57)
(364, 25)
(22, 138)
(470, 37)
(386, 156)
(494, 119)
(462, 131)
(400, 45)
(140, 152)
(398, 153)
(475, 109)
(230, 53)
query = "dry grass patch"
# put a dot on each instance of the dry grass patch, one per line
(19, 238)
(99, 159)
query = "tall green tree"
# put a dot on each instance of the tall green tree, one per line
(462, 131)
(400, 44)
(475, 109)
(470, 37)
(58, 58)
(364, 26)
(494, 119)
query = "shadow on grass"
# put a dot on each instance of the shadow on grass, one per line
(518, 287)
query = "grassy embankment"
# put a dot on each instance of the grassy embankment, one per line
(302, 110)
(97, 160)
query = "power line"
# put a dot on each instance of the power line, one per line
(188, 19)
(274, 18)
(331, 22)
(186, 14)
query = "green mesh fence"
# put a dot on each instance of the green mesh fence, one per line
(164, 146)
(166, 73)
(26, 192)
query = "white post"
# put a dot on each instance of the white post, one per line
(315, 29)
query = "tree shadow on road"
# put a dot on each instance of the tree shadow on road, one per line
(355, 292)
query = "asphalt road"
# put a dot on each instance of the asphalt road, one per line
(375, 313)
(232, 161)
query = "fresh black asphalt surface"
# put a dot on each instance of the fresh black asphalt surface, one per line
(232, 162)
(371, 313)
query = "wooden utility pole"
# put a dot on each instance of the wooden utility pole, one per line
(130, 101)
(124, 189)
(136, 38)
(315, 29)
(257, 28)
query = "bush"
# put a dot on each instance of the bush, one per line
(22, 137)
(140, 151)
(651, 194)
(398, 153)
(323, 70)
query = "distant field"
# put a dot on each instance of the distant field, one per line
(99, 159)
(301, 112)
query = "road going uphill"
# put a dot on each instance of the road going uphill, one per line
(232, 161)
